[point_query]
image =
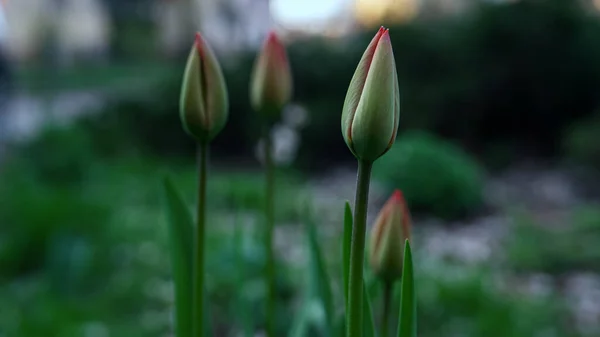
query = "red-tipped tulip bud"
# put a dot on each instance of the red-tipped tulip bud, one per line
(372, 106)
(203, 104)
(389, 232)
(271, 82)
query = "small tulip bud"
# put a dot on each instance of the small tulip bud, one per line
(203, 104)
(390, 230)
(372, 106)
(271, 82)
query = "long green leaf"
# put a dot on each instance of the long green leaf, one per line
(407, 326)
(321, 282)
(340, 325)
(301, 324)
(180, 240)
(243, 309)
(369, 326)
(346, 243)
(181, 230)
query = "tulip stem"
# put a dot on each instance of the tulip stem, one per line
(387, 300)
(198, 267)
(354, 314)
(270, 223)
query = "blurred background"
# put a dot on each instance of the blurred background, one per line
(498, 154)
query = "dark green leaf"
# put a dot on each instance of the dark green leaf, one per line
(340, 325)
(369, 324)
(243, 309)
(181, 231)
(320, 280)
(347, 241)
(180, 241)
(408, 305)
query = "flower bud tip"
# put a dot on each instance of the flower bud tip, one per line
(397, 196)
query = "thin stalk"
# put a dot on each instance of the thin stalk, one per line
(198, 267)
(354, 315)
(387, 300)
(270, 222)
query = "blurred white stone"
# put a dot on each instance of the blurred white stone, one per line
(539, 285)
(471, 243)
(24, 117)
(532, 186)
(583, 298)
(83, 29)
(26, 23)
(295, 116)
(286, 142)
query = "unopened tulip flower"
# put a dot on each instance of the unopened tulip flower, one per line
(390, 230)
(203, 102)
(271, 82)
(372, 106)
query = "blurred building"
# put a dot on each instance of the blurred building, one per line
(77, 28)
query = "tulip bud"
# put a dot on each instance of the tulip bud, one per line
(203, 104)
(271, 82)
(390, 231)
(372, 106)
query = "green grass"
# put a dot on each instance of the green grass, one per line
(566, 245)
(93, 255)
(95, 251)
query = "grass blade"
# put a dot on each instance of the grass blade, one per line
(321, 283)
(340, 326)
(407, 326)
(181, 231)
(369, 325)
(243, 309)
(180, 227)
(347, 241)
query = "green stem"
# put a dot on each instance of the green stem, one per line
(387, 300)
(270, 222)
(354, 315)
(198, 267)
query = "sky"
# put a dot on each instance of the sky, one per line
(302, 13)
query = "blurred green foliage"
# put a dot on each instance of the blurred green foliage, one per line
(582, 141)
(435, 176)
(565, 244)
(92, 253)
(471, 304)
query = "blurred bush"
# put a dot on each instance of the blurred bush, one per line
(582, 141)
(435, 176)
(58, 155)
(41, 222)
(91, 253)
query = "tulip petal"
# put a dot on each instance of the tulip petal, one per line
(390, 229)
(376, 105)
(203, 102)
(271, 81)
(356, 87)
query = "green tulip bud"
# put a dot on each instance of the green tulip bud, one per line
(271, 82)
(390, 230)
(203, 104)
(372, 106)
